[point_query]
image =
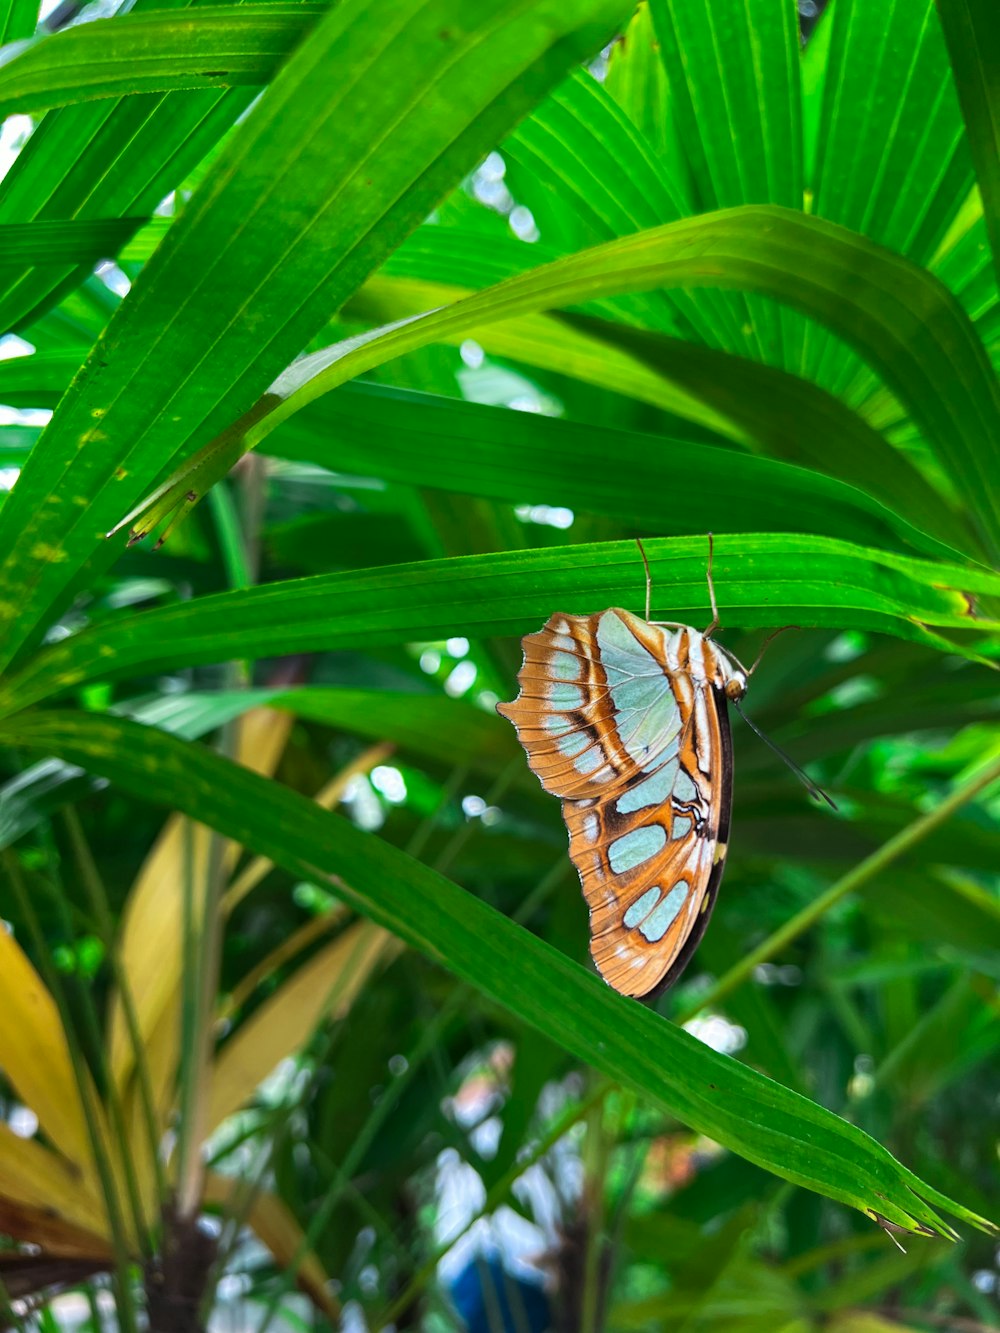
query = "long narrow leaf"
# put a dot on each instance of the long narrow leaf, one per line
(207, 46)
(771, 1126)
(903, 321)
(82, 242)
(770, 407)
(898, 178)
(35, 1177)
(760, 580)
(972, 34)
(17, 19)
(108, 159)
(733, 78)
(475, 450)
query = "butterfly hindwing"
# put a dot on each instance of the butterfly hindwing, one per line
(625, 722)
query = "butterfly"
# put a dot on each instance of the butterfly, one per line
(626, 720)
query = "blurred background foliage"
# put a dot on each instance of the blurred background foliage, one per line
(221, 1082)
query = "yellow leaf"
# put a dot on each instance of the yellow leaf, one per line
(278, 1230)
(35, 1058)
(151, 939)
(45, 1200)
(860, 1321)
(325, 987)
(263, 735)
(314, 929)
(151, 945)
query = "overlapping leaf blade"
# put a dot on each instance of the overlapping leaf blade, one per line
(732, 1104)
(973, 38)
(760, 580)
(908, 326)
(733, 79)
(111, 159)
(268, 276)
(156, 51)
(467, 448)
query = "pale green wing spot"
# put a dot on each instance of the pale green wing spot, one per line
(589, 760)
(684, 788)
(653, 791)
(680, 827)
(664, 914)
(621, 651)
(557, 725)
(627, 852)
(641, 908)
(574, 743)
(562, 695)
(564, 667)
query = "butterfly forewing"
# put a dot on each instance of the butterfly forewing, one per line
(627, 723)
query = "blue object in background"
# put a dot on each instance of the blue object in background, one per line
(492, 1300)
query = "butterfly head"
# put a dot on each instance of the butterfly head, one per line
(736, 686)
(729, 674)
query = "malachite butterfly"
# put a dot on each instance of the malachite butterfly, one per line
(626, 720)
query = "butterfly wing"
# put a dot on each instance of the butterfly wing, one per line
(619, 720)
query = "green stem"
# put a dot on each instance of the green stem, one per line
(202, 933)
(422, 834)
(98, 898)
(236, 559)
(595, 1164)
(458, 840)
(203, 930)
(322, 1215)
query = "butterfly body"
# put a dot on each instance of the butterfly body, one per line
(627, 722)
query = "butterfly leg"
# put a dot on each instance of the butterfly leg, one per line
(677, 624)
(649, 577)
(711, 593)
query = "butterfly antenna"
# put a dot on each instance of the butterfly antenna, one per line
(711, 592)
(649, 577)
(773, 635)
(816, 792)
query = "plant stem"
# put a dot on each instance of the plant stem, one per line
(202, 940)
(595, 1163)
(97, 896)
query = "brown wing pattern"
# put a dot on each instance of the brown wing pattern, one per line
(618, 722)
